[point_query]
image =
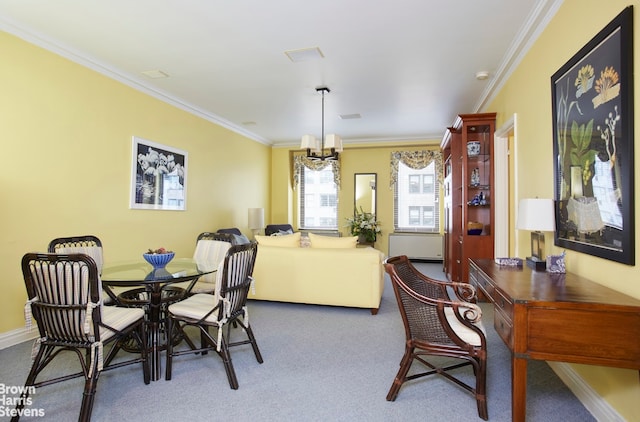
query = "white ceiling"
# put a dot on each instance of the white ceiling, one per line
(406, 66)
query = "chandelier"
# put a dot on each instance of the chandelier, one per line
(315, 147)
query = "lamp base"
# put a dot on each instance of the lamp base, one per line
(536, 264)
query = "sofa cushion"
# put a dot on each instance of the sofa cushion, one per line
(285, 241)
(325, 242)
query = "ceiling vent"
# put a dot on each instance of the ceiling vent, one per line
(304, 54)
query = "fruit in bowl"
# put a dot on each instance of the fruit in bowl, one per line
(158, 258)
(157, 251)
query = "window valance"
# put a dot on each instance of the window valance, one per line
(300, 161)
(415, 160)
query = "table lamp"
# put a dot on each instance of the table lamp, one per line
(537, 215)
(256, 220)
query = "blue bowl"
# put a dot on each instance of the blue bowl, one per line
(158, 260)
(474, 232)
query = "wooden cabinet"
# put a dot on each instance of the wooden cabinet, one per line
(467, 150)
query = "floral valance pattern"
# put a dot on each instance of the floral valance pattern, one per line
(415, 160)
(301, 161)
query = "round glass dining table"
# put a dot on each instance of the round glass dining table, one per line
(156, 287)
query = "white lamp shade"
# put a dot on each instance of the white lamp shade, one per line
(536, 214)
(310, 142)
(333, 141)
(256, 218)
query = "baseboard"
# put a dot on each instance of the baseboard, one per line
(599, 408)
(20, 335)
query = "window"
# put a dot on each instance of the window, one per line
(318, 199)
(416, 206)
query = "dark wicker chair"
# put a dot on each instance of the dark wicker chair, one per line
(227, 307)
(92, 246)
(210, 251)
(64, 299)
(437, 325)
(276, 228)
(232, 230)
(221, 236)
(88, 244)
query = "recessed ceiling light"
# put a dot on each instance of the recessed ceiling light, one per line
(250, 123)
(350, 116)
(304, 54)
(482, 75)
(155, 74)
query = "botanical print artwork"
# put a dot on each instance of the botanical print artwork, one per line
(593, 145)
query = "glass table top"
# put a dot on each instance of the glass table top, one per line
(140, 271)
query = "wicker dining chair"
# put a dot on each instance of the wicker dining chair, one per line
(64, 292)
(438, 325)
(87, 244)
(92, 246)
(221, 311)
(210, 251)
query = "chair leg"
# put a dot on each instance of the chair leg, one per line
(203, 339)
(89, 393)
(228, 365)
(405, 364)
(254, 344)
(481, 389)
(167, 374)
(31, 379)
(144, 353)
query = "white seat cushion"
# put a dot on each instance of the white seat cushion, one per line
(196, 307)
(118, 318)
(203, 287)
(464, 332)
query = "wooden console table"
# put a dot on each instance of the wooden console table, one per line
(557, 317)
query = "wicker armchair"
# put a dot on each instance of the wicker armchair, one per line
(436, 325)
(227, 307)
(65, 293)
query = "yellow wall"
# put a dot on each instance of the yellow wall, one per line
(528, 93)
(66, 144)
(362, 158)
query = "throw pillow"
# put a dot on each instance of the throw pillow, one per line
(305, 242)
(285, 241)
(326, 242)
(241, 239)
(282, 233)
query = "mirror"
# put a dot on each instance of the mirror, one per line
(365, 192)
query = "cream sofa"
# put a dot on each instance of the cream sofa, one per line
(350, 277)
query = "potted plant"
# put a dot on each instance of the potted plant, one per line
(364, 225)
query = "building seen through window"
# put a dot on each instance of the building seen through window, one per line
(416, 200)
(318, 199)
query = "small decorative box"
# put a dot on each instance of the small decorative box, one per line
(509, 262)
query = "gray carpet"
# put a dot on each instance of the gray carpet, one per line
(321, 363)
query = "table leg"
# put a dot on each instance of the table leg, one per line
(518, 389)
(154, 331)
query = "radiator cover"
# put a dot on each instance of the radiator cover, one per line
(416, 246)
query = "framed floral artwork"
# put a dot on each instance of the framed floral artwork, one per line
(158, 176)
(592, 102)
